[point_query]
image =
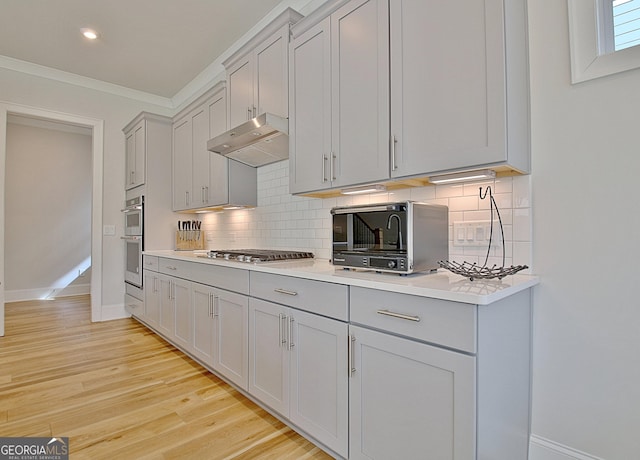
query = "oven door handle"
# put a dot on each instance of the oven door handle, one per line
(133, 238)
(132, 208)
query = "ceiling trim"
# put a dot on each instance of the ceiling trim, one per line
(73, 79)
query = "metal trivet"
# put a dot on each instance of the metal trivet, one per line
(473, 270)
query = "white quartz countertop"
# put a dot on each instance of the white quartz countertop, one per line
(442, 284)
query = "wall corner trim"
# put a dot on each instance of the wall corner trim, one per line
(544, 449)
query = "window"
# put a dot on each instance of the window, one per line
(626, 24)
(604, 36)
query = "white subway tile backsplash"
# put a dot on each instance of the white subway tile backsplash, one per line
(282, 220)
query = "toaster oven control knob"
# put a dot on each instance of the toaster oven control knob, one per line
(392, 264)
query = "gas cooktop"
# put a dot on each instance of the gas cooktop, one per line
(256, 255)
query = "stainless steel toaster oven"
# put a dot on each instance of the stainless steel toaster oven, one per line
(403, 237)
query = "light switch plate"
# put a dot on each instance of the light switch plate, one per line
(109, 230)
(475, 233)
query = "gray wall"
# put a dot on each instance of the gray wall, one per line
(48, 211)
(586, 161)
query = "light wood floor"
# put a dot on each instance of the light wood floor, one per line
(120, 392)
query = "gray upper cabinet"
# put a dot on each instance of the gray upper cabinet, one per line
(135, 150)
(384, 90)
(257, 73)
(458, 99)
(202, 179)
(339, 94)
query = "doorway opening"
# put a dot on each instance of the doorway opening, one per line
(95, 128)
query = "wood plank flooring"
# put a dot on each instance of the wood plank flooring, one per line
(120, 392)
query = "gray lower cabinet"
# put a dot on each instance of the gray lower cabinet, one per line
(438, 379)
(208, 322)
(203, 326)
(410, 400)
(298, 367)
(367, 373)
(230, 337)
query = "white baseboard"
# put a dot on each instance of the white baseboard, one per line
(545, 449)
(20, 295)
(109, 312)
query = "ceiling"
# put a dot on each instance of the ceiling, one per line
(152, 46)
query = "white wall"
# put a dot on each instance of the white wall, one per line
(116, 111)
(586, 160)
(47, 211)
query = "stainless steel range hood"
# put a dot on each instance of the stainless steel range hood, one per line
(260, 141)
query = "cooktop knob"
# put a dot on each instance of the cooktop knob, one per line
(392, 264)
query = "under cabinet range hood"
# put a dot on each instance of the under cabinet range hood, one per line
(257, 142)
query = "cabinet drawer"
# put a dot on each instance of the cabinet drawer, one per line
(150, 263)
(327, 299)
(441, 322)
(133, 306)
(177, 268)
(231, 279)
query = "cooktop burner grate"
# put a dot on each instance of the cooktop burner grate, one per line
(257, 255)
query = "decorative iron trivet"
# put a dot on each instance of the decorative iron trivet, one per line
(473, 270)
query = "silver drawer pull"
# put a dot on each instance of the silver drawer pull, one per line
(284, 291)
(171, 268)
(399, 315)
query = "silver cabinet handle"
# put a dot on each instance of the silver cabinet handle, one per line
(333, 166)
(254, 111)
(206, 193)
(284, 291)
(324, 167)
(171, 268)
(283, 341)
(216, 306)
(351, 350)
(133, 177)
(186, 198)
(209, 306)
(394, 141)
(290, 333)
(399, 315)
(248, 113)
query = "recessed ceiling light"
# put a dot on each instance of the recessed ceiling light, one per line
(89, 33)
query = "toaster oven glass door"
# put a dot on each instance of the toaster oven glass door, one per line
(370, 231)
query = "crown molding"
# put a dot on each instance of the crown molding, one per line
(49, 73)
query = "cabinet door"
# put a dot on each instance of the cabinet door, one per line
(319, 378)
(218, 188)
(231, 315)
(360, 92)
(269, 354)
(135, 156)
(200, 154)
(167, 319)
(410, 400)
(240, 92)
(270, 91)
(182, 304)
(447, 95)
(182, 161)
(151, 298)
(202, 302)
(310, 120)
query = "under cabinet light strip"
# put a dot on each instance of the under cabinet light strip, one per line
(463, 176)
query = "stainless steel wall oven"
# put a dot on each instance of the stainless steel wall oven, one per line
(134, 240)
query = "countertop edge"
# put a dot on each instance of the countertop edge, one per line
(441, 285)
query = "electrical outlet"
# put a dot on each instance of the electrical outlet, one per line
(209, 236)
(109, 230)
